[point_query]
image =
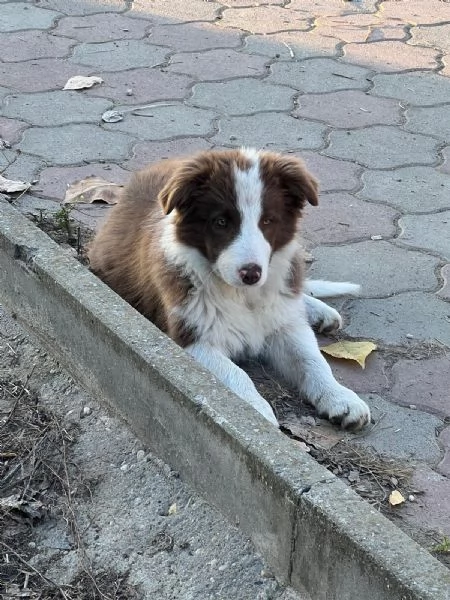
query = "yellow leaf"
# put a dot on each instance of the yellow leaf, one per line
(173, 509)
(358, 351)
(395, 498)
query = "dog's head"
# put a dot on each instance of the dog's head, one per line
(238, 208)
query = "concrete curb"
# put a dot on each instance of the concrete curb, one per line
(316, 533)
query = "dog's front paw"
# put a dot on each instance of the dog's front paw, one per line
(341, 405)
(323, 318)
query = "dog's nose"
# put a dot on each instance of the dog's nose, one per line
(250, 274)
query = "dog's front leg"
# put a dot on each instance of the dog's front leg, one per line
(295, 354)
(232, 376)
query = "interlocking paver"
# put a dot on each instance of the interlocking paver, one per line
(354, 28)
(27, 45)
(264, 19)
(55, 108)
(24, 168)
(332, 174)
(217, 64)
(412, 189)
(317, 8)
(419, 383)
(84, 7)
(430, 232)
(141, 86)
(414, 11)
(430, 120)
(370, 380)
(45, 74)
(18, 16)
(444, 292)
(242, 96)
(430, 508)
(341, 217)
(73, 144)
(175, 10)
(288, 45)
(382, 147)
(366, 263)
(319, 75)
(54, 181)
(417, 88)
(145, 153)
(437, 36)
(193, 37)
(101, 28)
(444, 440)
(273, 131)
(415, 429)
(165, 122)
(390, 320)
(11, 129)
(119, 55)
(391, 55)
(350, 108)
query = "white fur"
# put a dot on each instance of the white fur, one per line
(330, 289)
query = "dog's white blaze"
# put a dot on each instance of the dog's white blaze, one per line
(250, 246)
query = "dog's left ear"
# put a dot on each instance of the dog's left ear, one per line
(297, 183)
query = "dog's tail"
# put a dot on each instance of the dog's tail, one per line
(329, 289)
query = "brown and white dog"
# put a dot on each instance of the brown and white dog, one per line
(207, 248)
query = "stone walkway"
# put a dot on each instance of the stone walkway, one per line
(360, 90)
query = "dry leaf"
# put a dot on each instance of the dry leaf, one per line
(92, 189)
(324, 436)
(9, 186)
(395, 498)
(80, 82)
(173, 509)
(112, 116)
(358, 351)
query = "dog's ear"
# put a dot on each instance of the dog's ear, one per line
(183, 186)
(298, 185)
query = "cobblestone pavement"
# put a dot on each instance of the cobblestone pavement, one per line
(359, 89)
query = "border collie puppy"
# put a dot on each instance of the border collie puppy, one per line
(207, 248)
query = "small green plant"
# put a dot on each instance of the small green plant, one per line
(62, 218)
(443, 547)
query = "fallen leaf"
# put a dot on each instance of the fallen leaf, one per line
(358, 351)
(172, 509)
(395, 498)
(92, 189)
(9, 186)
(323, 436)
(80, 82)
(112, 116)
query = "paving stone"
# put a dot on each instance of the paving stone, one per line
(145, 153)
(350, 108)
(319, 75)
(241, 96)
(24, 168)
(119, 55)
(417, 88)
(348, 28)
(390, 55)
(382, 147)
(72, 144)
(11, 129)
(370, 380)
(175, 10)
(212, 65)
(101, 28)
(391, 319)
(437, 36)
(288, 45)
(380, 267)
(317, 8)
(445, 167)
(26, 45)
(55, 108)
(272, 131)
(264, 19)
(39, 75)
(164, 122)
(332, 174)
(18, 16)
(401, 433)
(54, 181)
(444, 440)
(193, 37)
(84, 7)
(341, 217)
(28, 204)
(146, 85)
(430, 508)
(431, 121)
(412, 189)
(430, 232)
(413, 11)
(424, 384)
(444, 292)
(388, 30)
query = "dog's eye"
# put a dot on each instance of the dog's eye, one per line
(267, 221)
(220, 222)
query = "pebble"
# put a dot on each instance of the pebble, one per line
(124, 467)
(410, 336)
(87, 410)
(412, 406)
(411, 498)
(129, 92)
